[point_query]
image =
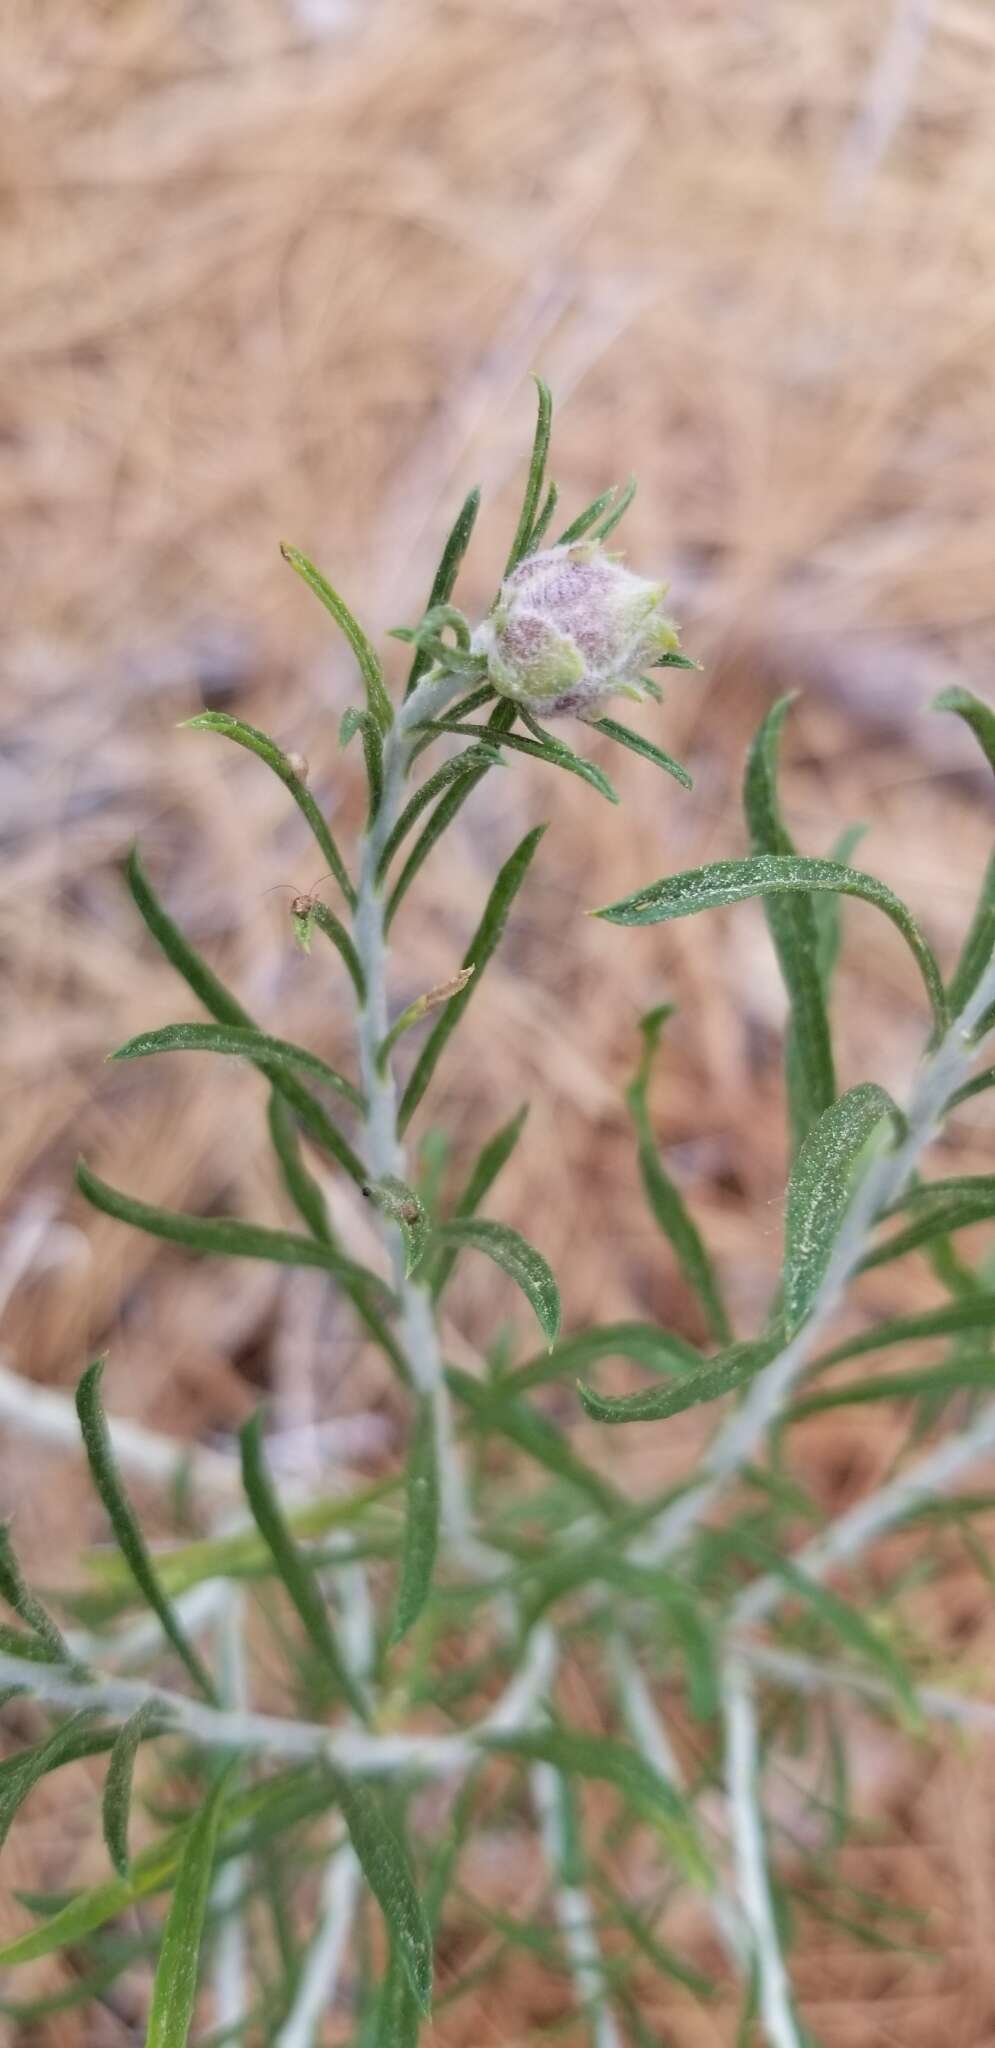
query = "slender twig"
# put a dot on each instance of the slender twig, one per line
(572, 1907)
(809, 1674)
(742, 1769)
(319, 1979)
(352, 1749)
(385, 1153)
(230, 1961)
(740, 1438)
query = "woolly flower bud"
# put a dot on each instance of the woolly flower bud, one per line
(571, 628)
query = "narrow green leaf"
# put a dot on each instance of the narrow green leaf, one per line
(975, 1313)
(294, 1569)
(75, 1739)
(979, 1085)
(227, 1010)
(616, 512)
(449, 567)
(174, 1991)
(588, 518)
(771, 874)
(301, 1185)
(124, 1522)
(975, 713)
(547, 749)
(466, 763)
(378, 702)
(386, 1865)
(534, 1434)
(259, 743)
(373, 757)
(243, 1043)
(397, 2019)
(318, 913)
(614, 1763)
(228, 1237)
(792, 923)
(724, 1374)
(488, 1164)
(638, 745)
(901, 1386)
(441, 818)
(979, 946)
(534, 481)
(841, 1618)
(463, 707)
(26, 1604)
(936, 1208)
(644, 1343)
(664, 1197)
(117, 1786)
(483, 944)
(544, 518)
(421, 1527)
(821, 1188)
(515, 1256)
(396, 1200)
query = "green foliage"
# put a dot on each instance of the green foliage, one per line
(438, 1622)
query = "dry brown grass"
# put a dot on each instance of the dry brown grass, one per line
(262, 281)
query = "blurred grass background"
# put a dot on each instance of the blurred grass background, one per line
(280, 270)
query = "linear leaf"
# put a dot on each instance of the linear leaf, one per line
(466, 763)
(228, 1237)
(228, 1010)
(483, 944)
(336, 933)
(75, 1739)
(644, 1343)
(396, 1200)
(616, 513)
(794, 930)
(243, 1043)
(979, 945)
(975, 713)
(638, 745)
(534, 480)
(124, 1522)
(547, 749)
(936, 1208)
(544, 518)
(901, 1386)
(588, 518)
(117, 1785)
(421, 1527)
(441, 818)
(386, 1865)
(664, 1197)
(515, 1256)
(377, 699)
(300, 1183)
(295, 1570)
(614, 1763)
(259, 743)
(979, 1085)
(26, 1604)
(397, 2020)
(975, 1313)
(445, 576)
(724, 1374)
(843, 1619)
(534, 1434)
(488, 1164)
(175, 1988)
(771, 874)
(821, 1188)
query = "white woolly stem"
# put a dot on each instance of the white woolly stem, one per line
(230, 1962)
(385, 1152)
(143, 1453)
(740, 1438)
(326, 1954)
(573, 1908)
(809, 1675)
(352, 1749)
(742, 1770)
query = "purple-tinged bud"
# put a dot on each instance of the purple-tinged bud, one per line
(573, 627)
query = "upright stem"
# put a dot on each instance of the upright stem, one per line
(385, 1152)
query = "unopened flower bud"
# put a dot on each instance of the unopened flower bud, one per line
(573, 627)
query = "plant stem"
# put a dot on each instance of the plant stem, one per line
(742, 1766)
(809, 1674)
(322, 1968)
(385, 1153)
(573, 1909)
(740, 1438)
